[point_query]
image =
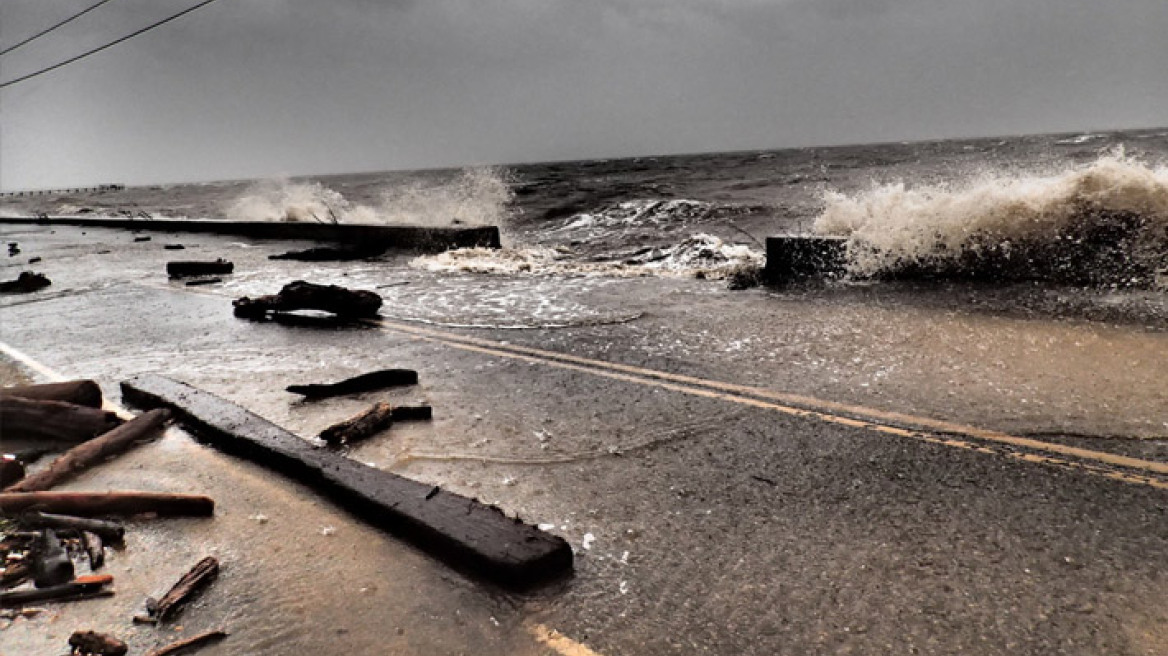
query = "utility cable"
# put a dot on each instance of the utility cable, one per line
(44, 32)
(108, 45)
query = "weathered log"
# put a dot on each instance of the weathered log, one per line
(87, 454)
(374, 380)
(97, 644)
(77, 392)
(466, 533)
(142, 238)
(200, 576)
(173, 247)
(96, 504)
(189, 268)
(83, 587)
(94, 550)
(27, 282)
(109, 531)
(375, 419)
(11, 470)
(52, 420)
(191, 643)
(300, 295)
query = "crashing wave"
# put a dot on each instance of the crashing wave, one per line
(1103, 223)
(648, 212)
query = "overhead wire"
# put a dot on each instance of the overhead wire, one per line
(50, 29)
(103, 47)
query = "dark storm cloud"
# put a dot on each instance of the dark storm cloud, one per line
(260, 87)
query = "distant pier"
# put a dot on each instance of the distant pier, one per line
(57, 192)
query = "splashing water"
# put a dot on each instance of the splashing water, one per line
(1103, 222)
(283, 200)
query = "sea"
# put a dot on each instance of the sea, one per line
(1083, 209)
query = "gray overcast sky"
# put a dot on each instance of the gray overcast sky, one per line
(255, 88)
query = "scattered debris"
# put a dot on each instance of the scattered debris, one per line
(33, 419)
(142, 238)
(13, 248)
(26, 283)
(191, 268)
(374, 380)
(203, 281)
(173, 247)
(191, 643)
(90, 504)
(34, 260)
(300, 295)
(87, 454)
(91, 643)
(109, 531)
(332, 254)
(201, 575)
(375, 419)
(89, 586)
(77, 392)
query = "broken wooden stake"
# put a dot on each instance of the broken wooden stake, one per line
(77, 392)
(31, 419)
(191, 268)
(91, 504)
(26, 283)
(300, 295)
(94, 550)
(86, 643)
(201, 575)
(375, 419)
(191, 643)
(83, 587)
(109, 531)
(374, 380)
(87, 454)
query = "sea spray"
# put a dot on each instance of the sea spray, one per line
(1102, 223)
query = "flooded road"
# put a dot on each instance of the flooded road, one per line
(738, 472)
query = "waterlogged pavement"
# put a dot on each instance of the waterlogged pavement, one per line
(831, 470)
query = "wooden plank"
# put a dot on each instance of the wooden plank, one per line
(467, 534)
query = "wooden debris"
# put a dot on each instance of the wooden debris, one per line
(354, 429)
(332, 254)
(52, 420)
(77, 392)
(374, 380)
(191, 643)
(91, 643)
(87, 454)
(11, 470)
(83, 587)
(109, 531)
(90, 504)
(201, 575)
(191, 268)
(142, 238)
(26, 283)
(94, 550)
(173, 247)
(300, 295)
(15, 573)
(466, 533)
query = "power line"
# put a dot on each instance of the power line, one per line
(44, 32)
(108, 45)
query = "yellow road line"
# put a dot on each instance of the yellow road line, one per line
(559, 642)
(808, 407)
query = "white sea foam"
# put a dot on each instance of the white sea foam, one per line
(892, 226)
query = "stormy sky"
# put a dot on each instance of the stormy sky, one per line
(259, 88)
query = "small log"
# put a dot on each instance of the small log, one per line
(91, 504)
(300, 295)
(94, 550)
(77, 392)
(85, 455)
(52, 420)
(374, 380)
(97, 644)
(11, 470)
(191, 268)
(142, 238)
(354, 429)
(191, 643)
(173, 247)
(109, 531)
(83, 587)
(27, 282)
(201, 575)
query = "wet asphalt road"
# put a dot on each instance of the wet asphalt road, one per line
(702, 523)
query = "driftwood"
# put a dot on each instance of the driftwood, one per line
(97, 644)
(83, 587)
(85, 455)
(11, 471)
(374, 380)
(90, 504)
(377, 418)
(25, 283)
(142, 238)
(300, 295)
(94, 550)
(189, 268)
(201, 575)
(109, 531)
(77, 392)
(52, 420)
(15, 573)
(191, 643)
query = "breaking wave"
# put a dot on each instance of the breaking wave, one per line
(700, 255)
(476, 196)
(642, 213)
(1102, 223)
